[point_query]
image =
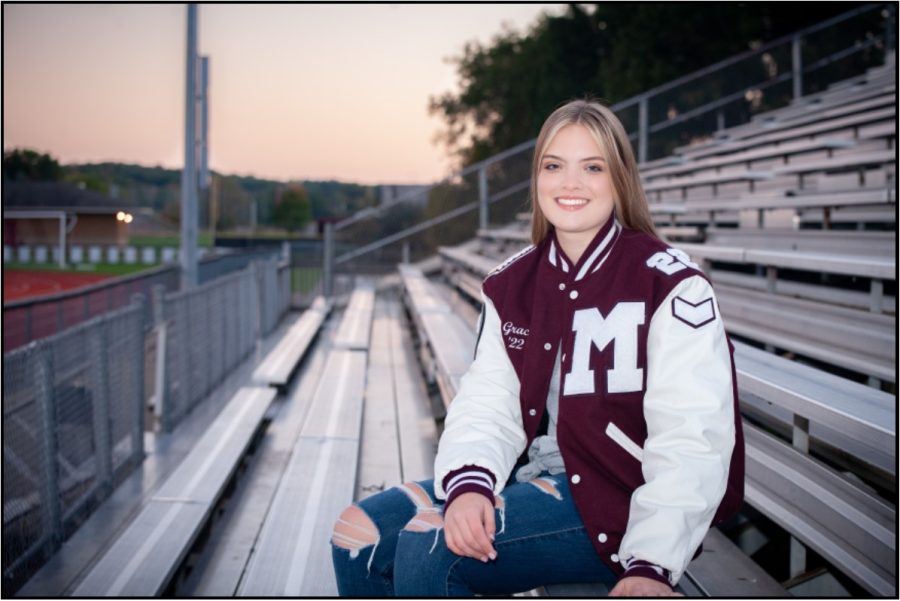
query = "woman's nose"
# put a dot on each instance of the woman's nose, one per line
(571, 179)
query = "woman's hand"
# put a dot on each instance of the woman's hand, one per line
(638, 586)
(469, 526)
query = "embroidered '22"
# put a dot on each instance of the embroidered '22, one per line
(516, 343)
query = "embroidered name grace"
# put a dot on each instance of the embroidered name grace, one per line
(619, 328)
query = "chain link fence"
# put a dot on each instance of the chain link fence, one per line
(72, 428)
(33, 319)
(211, 328)
(74, 402)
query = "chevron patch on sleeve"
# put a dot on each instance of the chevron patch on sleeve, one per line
(695, 315)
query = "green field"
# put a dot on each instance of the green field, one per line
(98, 268)
(204, 239)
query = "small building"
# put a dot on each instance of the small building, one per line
(32, 212)
(58, 214)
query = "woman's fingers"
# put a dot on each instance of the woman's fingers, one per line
(469, 527)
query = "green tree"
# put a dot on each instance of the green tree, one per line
(292, 210)
(26, 164)
(610, 50)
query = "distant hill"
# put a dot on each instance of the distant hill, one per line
(159, 189)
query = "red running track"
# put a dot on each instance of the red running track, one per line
(27, 284)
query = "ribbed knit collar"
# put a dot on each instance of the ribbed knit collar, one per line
(594, 255)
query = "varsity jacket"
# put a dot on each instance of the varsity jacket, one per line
(648, 426)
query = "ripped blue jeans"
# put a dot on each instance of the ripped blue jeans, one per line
(392, 544)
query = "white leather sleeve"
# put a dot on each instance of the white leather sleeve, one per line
(689, 411)
(484, 421)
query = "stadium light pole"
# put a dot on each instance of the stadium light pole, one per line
(189, 173)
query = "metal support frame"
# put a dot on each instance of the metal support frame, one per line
(189, 173)
(643, 129)
(158, 400)
(483, 217)
(797, 66)
(328, 267)
(99, 345)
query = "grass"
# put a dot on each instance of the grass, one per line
(98, 268)
(204, 239)
(304, 279)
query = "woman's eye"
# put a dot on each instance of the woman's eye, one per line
(595, 168)
(551, 166)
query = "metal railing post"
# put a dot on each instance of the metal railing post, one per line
(138, 353)
(51, 516)
(161, 400)
(483, 217)
(642, 130)
(328, 267)
(797, 66)
(99, 345)
(258, 300)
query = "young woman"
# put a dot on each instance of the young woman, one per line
(596, 436)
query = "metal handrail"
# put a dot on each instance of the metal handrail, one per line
(644, 129)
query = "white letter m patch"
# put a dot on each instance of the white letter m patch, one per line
(620, 328)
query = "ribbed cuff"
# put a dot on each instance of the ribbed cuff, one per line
(469, 478)
(645, 569)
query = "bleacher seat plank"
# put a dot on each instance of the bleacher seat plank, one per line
(834, 242)
(884, 268)
(817, 103)
(794, 201)
(838, 163)
(772, 136)
(820, 112)
(379, 455)
(469, 259)
(738, 158)
(219, 570)
(851, 528)
(721, 570)
(855, 418)
(342, 387)
(277, 366)
(291, 557)
(826, 294)
(865, 266)
(356, 324)
(143, 559)
(418, 432)
(452, 342)
(856, 340)
(746, 175)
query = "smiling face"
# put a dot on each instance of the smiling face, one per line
(574, 189)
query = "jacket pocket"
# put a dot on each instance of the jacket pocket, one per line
(622, 439)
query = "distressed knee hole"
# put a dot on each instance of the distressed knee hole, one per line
(548, 486)
(355, 530)
(417, 495)
(425, 521)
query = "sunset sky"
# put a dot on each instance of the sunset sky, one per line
(296, 91)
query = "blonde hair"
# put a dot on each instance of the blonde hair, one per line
(630, 202)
